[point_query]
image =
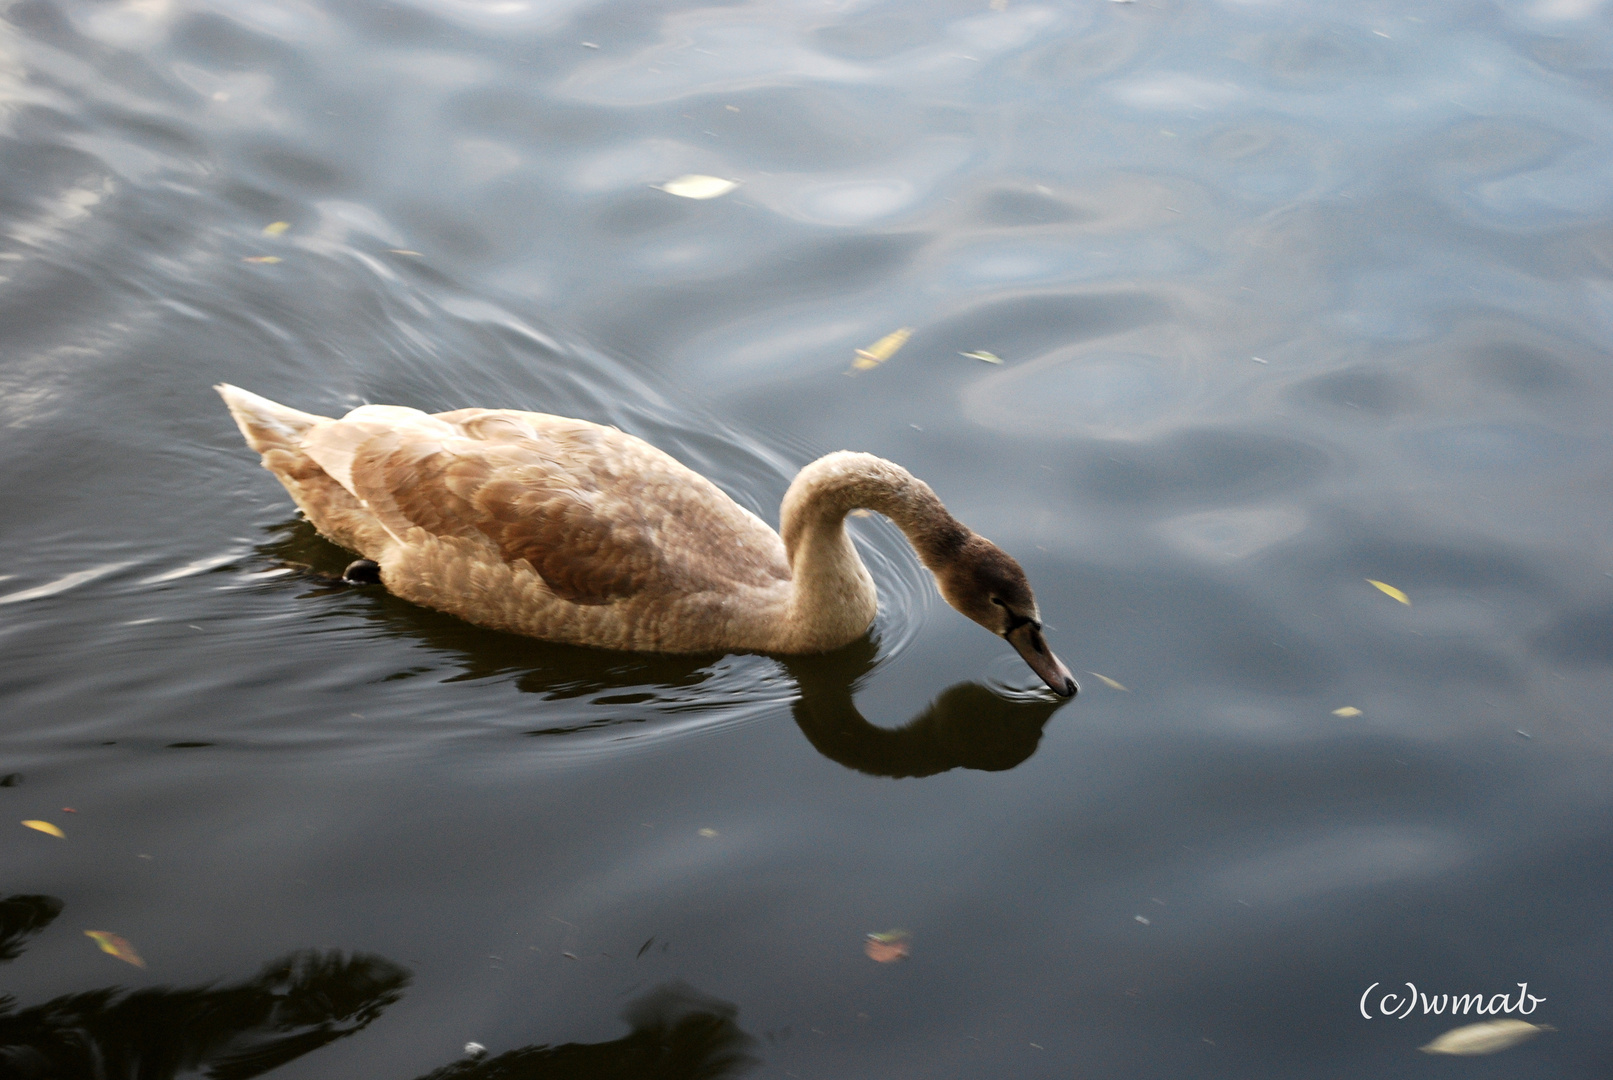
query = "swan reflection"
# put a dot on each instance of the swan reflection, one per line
(969, 725)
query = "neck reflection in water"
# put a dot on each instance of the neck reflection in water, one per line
(968, 726)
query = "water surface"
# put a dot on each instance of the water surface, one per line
(1288, 296)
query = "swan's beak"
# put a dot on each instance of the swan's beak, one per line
(1027, 638)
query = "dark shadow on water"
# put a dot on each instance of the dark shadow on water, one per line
(309, 999)
(968, 726)
(295, 1005)
(677, 1033)
(21, 917)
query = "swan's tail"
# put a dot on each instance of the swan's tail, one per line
(278, 433)
(266, 424)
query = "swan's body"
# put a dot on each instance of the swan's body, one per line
(569, 531)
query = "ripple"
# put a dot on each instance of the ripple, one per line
(1175, 92)
(1009, 678)
(1343, 859)
(1464, 447)
(1228, 535)
(855, 203)
(1082, 394)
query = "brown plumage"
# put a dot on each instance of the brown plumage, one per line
(569, 531)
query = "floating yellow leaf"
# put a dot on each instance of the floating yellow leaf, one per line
(405, 251)
(1485, 1038)
(261, 259)
(982, 354)
(695, 186)
(116, 946)
(1348, 710)
(276, 229)
(1110, 683)
(1389, 590)
(46, 827)
(887, 947)
(708, 833)
(881, 350)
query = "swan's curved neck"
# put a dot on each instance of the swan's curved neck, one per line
(832, 597)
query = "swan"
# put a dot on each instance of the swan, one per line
(569, 531)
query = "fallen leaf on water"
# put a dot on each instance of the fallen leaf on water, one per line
(881, 350)
(261, 259)
(1348, 710)
(708, 833)
(887, 947)
(1110, 683)
(46, 827)
(405, 251)
(695, 186)
(115, 946)
(276, 229)
(982, 354)
(1486, 1038)
(1389, 590)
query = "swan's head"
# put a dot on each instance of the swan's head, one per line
(986, 584)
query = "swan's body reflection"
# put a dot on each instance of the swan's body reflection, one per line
(968, 726)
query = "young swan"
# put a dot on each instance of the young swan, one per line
(569, 531)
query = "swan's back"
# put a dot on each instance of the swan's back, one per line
(526, 521)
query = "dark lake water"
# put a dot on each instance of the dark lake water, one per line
(1289, 297)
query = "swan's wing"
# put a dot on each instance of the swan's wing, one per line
(590, 546)
(600, 516)
(701, 538)
(334, 444)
